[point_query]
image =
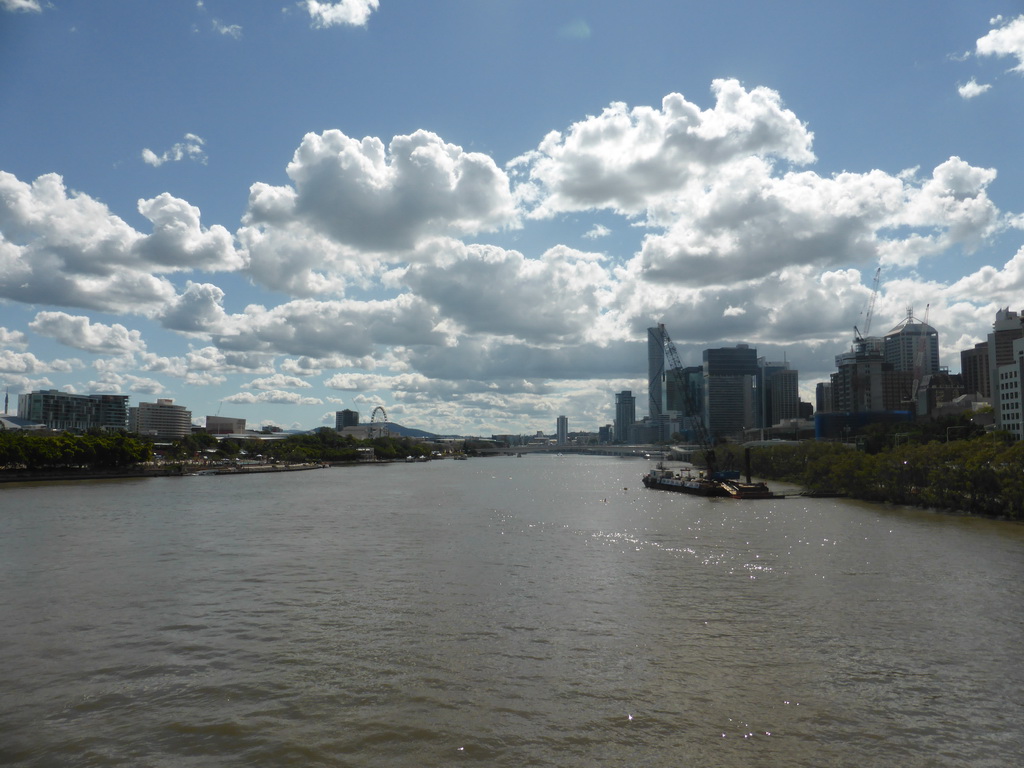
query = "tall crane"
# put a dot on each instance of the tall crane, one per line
(857, 335)
(871, 303)
(722, 485)
(922, 344)
(696, 418)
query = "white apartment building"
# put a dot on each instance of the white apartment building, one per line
(163, 420)
(1007, 393)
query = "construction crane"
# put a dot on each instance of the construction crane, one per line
(857, 335)
(696, 419)
(871, 303)
(922, 343)
(724, 484)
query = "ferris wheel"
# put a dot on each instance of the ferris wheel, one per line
(379, 423)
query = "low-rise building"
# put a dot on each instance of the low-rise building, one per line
(224, 425)
(15, 424)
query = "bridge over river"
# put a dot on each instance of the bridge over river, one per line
(670, 452)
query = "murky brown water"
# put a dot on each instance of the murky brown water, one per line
(499, 612)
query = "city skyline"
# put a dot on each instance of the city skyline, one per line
(471, 213)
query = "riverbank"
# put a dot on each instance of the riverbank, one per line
(65, 475)
(177, 470)
(978, 477)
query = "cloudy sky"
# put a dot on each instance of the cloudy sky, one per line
(469, 211)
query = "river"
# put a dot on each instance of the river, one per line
(536, 611)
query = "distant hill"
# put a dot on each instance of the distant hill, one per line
(398, 429)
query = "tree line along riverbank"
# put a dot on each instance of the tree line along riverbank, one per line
(108, 454)
(981, 476)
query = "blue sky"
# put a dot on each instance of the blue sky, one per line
(469, 211)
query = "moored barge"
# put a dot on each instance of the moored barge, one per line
(725, 484)
(669, 480)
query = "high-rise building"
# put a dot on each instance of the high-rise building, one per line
(562, 430)
(655, 372)
(162, 420)
(729, 374)
(912, 347)
(865, 382)
(684, 401)
(346, 418)
(1008, 390)
(625, 414)
(783, 396)
(778, 395)
(685, 392)
(62, 411)
(974, 367)
(1008, 327)
(823, 397)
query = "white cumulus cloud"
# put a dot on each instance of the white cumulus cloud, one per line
(27, 363)
(297, 260)
(80, 332)
(352, 12)
(66, 249)
(229, 30)
(189, 149)
(198, 309)
(273, 396)
(210, 359)
(179, 240)
(316, 329)
(12, 339)
(28, 6)
(629, 159)
(1006, 40)
(277, 381)
(488, 290)
(751, 223)
(376, 198)
(972, 88)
